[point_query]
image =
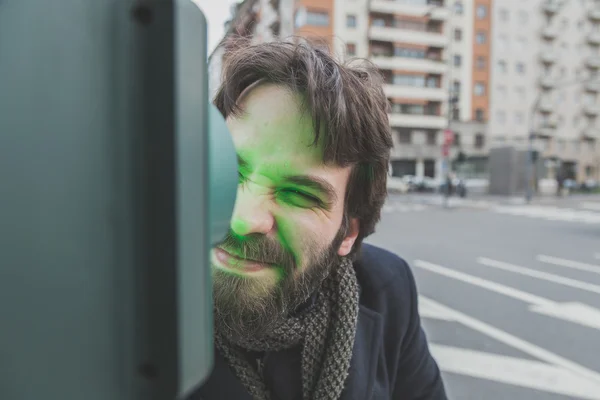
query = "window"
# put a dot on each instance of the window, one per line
(479, 115)
(456, 87)
(456, 141)
(501, 92)
(481, 11)
(409, 53)
(378, 22)
(480, 62)
(457, 60)
(519, 117)
(317, 18)
(503, 42)
(431, 138)
(409, 80)
(433, 82)
(481, 37)
(522, 41)
(404, 136)
(520, 68)
(504, 15)
(523, 17)
(501, 117)
(479, 140)
(351, 21)
(458, 7)
(502, 66)
(351, 49)
(458, 34)
(479, 89)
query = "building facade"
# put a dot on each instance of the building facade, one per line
(476, 67)
(544, 52)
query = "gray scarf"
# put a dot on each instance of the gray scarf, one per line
(326, 332)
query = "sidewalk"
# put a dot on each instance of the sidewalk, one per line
(591, 201)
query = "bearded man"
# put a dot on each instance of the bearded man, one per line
(303, 310)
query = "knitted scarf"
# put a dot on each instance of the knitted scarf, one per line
(326, 333)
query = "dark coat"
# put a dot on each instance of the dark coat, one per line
(391, 358)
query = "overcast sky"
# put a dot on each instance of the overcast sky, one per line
(216, 13)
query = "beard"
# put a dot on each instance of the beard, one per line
(252, 306)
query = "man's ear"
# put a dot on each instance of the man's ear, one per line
(350, 238)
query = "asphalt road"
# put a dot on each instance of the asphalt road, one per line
(509, 293)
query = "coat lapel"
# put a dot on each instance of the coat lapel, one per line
(363, 366)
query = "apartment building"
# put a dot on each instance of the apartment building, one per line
(474, 66)
(544, 80)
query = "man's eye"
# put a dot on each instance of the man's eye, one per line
(298, 196)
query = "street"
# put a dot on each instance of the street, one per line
(509, 293)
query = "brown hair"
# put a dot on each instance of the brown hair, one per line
(348, 106)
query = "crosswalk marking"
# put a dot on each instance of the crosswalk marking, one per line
(522, 345)
(595, 206)
(561, 280)
(514, 371)
(569, 263)
(403, 207)
(574, 312)
(551, 213)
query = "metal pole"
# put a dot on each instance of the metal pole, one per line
(530, 167)
(446, 160)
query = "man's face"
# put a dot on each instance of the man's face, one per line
(287, 231)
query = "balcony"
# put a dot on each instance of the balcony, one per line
(594, 14)
(389, 34)
(548, 56)
(593, 86)
(409, 150)
(591, 132)
(410, 64)
(551, 7)
(549, 32)
(547, 82)
(411, 92)
(546, 105)
(398, 7)
(417, 121)
(593, 38)
(591, 110)
(593, 61)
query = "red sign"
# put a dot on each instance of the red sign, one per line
(446, 150)
(448, 136)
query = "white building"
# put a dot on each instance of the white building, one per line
(545, 50)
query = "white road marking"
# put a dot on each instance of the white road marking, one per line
(578, 313)
(561, 280)
(429, 310)
(569, 263)
(514, 371)
(595, 206)
(551, 213)
(403, 207)
(522, 345)
(493, 286)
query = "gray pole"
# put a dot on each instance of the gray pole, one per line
(530, 167)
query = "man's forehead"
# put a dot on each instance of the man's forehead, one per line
(272, 126)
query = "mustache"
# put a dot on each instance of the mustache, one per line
(259, 248)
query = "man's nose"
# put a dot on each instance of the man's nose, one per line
(251, 213)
